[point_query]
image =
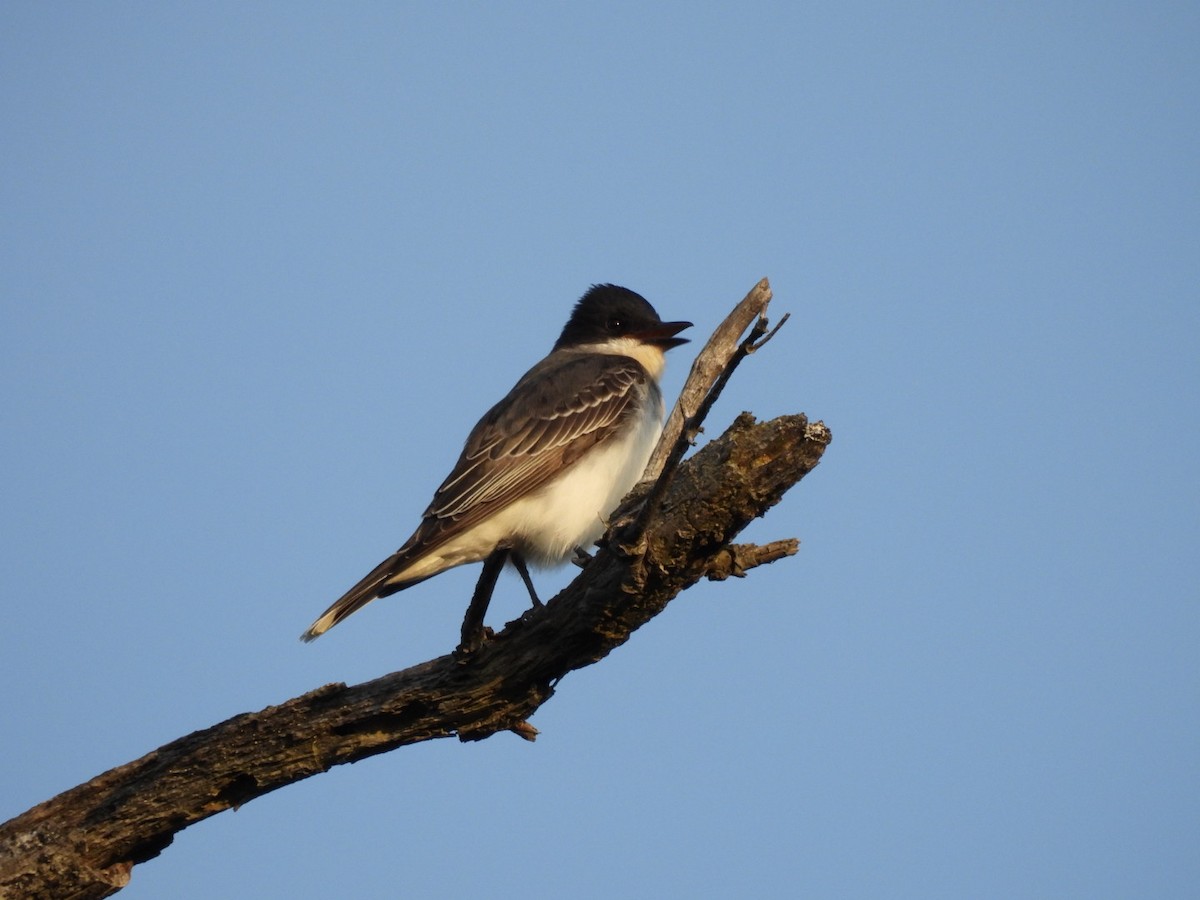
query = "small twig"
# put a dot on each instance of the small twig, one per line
(525, 730)
(737, 559)
(756, 347)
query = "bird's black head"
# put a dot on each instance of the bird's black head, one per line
(607, 312)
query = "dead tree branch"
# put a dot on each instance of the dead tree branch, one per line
(84, 842)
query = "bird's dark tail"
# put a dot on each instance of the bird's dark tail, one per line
(375, 585)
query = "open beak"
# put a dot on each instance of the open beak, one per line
(663, 334)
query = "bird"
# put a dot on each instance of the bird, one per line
(542, 470)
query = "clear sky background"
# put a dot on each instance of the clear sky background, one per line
(263, 266)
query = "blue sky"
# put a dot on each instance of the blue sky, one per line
(236, 240)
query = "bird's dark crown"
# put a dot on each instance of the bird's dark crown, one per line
(608, 311)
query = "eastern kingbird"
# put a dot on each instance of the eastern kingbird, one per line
(545, 466)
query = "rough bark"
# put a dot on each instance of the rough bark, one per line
(84, 842)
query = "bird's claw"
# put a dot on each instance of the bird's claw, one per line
(470, 644)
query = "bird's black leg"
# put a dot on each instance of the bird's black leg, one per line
(472, 626)
(518, 562)
(581, 557)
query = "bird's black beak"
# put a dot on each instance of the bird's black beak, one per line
(663, 334)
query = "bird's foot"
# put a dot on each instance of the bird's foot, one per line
(470, 644)
(581, 557)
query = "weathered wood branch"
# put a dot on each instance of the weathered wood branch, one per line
(710, 370)
(84, 842)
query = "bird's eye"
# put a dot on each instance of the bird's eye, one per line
(613, 323)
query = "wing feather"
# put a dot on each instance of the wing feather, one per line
(520, 445)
